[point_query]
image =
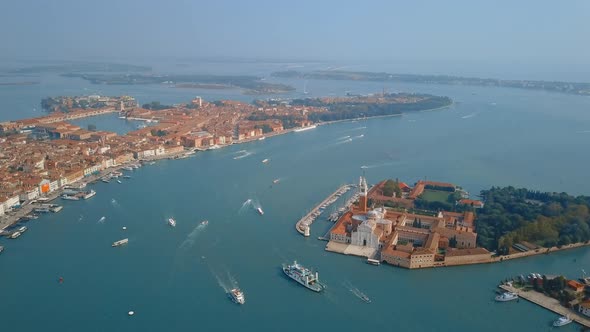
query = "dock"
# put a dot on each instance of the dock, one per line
(548, 303)
(309, 218)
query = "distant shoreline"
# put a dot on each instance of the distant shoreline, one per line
(18, 83)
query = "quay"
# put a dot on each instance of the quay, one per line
(308, 219)
(548, 303)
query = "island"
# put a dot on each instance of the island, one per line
(554, 86)
(41, 156)
(249, 84)
(78, 67)
(433, 224)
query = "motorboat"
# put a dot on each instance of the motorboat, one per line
(507, 296)
(561, 321)
(172, 222)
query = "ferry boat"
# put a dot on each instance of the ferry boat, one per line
(120, 243)
(507, 296)
(561, 321)
(88, 194)
(260, 211)
(373, 262)
(205, 222)
(303, 276)
(172, 222)
(265, 161)
(70, 197)
(237, 296)
(305, 128)
(15, 235)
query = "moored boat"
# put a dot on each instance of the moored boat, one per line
(561, 321)
(506, 296)
(15, 235)
(70, 197)
(304, 128)
(88, 194)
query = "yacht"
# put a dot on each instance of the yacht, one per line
(275, 181)
(561, 321)
(172, 222)
(22, 229)
(507, 296)
(120, 243)
(15, 235)
(260, 211)
(265, 161)
(119, 181)
(205, 222)
(237, 296)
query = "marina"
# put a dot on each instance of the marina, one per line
(302, 226)
(547, 303)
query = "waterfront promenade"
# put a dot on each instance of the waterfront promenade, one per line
(548, 303)
(308, 219)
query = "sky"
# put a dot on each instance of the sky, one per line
(521, 31)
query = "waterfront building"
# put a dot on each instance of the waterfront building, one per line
(407, 239)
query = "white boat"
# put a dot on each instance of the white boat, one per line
(305, 128)
(561, 321)
(261, 138)
(128, 168)
(265, 161)
(260, 211)
(104, 180)
(237, 296)
(120, 242)
(507, 296)
(214, 147)
(15, 235)
(373, 261)
(119, 181)
(22, 229)
(124, 228)
(205, 222)
(172, 222)
(70, 198)
(89, 194)
(275, 181)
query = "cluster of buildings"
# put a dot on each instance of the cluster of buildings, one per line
(67, 103)
(41, 155)
(405, 239)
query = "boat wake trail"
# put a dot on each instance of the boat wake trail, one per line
(356, 291)
(81, 218)
(243, 154)
(469, 116)
(357, 128)
(582, 131)
(389, 163)
(191, 237)
(359, 136)
(245, 205)
(102, 219)
(344, 137)
(114, 202)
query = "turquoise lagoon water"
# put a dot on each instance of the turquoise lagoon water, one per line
(174, 278)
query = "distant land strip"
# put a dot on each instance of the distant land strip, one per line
(553, 86)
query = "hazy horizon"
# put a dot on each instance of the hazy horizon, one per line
(541, 38)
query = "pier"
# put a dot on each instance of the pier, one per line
(548, 303)
(308, 219)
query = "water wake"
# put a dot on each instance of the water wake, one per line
(357, 292)
(344, 137)
(192, 237)
(359, 136)
(469, 116)
(114, 202)
(243, 154)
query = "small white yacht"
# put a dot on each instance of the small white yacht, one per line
(172, 222)
(237, 296)
(561, 321)
(507, 296)
(120, 243)
(260, 211)
(265, 161)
